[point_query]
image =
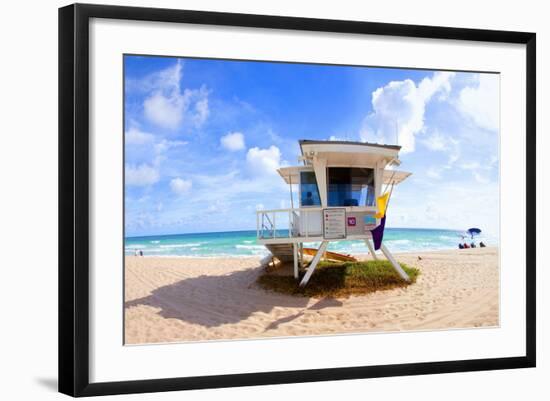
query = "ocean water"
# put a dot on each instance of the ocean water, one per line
(243, 243)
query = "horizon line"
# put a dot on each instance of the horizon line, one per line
(284, 229)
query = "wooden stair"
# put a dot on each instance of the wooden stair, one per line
(283, 252)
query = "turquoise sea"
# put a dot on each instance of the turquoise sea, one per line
(243, 243)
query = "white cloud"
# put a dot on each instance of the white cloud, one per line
(168, 105)
(219, 207)
(470, 166)
(167, 78)
(436, 142)
(147, 173)
(453, 150)
(439, 83)
(233, 141)
(343, 137)
(477, 168)
(398, 110)
(433, 173)
(160, 149)
(164, 145)
(180, 186)
(165, 111)
(136, 137)
(264, 161)
(141, 175)
(481, 103)
(233, 186)
(480, 178)
(201, 109)
(450, 205)
(454, 154)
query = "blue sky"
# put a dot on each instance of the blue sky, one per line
(203, 139)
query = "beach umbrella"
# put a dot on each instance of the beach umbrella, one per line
(473, 231)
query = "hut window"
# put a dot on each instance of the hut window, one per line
(309, 191)
(350, 186)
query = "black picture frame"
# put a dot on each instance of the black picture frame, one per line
(74, 198)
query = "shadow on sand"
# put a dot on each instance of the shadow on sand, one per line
(321, 304)
(212, 301)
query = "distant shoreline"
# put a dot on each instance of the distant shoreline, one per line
(357, 255)
(245, 243)
(134, 237)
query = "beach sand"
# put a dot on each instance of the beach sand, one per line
(186, 299)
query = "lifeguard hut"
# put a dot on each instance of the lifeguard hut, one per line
(343, 190)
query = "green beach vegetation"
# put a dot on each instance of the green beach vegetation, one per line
(333, 279)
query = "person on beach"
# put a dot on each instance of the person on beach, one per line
(140, 252)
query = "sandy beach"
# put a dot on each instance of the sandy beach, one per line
(198, 299)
